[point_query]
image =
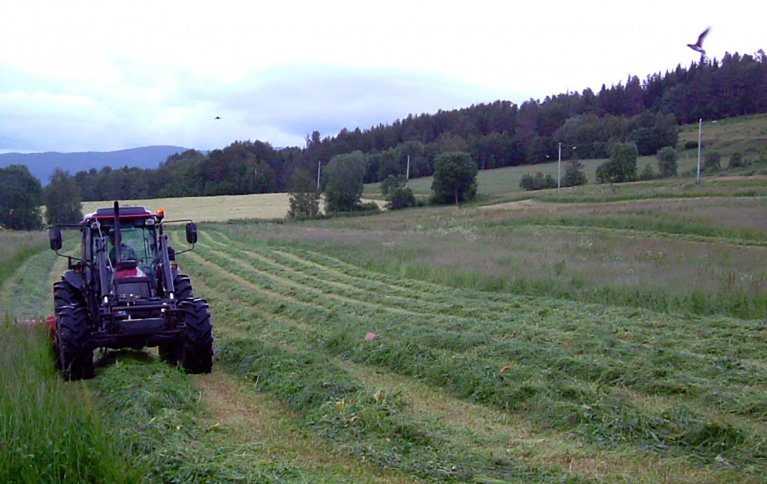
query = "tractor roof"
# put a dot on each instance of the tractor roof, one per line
(125, 212)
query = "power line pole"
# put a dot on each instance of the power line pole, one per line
(319, 165)
(700, 133)
(407, 173)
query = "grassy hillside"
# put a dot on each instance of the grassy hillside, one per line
(604, 333)
(746, 134)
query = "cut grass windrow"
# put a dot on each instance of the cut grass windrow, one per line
(585, 394)
(507, 438)
(264, 325)
(333, 405)
(495, 317)
(493, 307)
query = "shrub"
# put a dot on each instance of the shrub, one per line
(712, 161)
(691, 145)
(667, 162)
(647, 173)
(537, 182)
(398, 194)
(574, 175)
(736, 160)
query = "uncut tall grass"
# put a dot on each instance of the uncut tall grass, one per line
(50, 431)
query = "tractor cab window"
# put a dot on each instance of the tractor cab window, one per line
(137, 243)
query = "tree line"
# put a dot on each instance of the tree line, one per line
(586, 124)
(494, 134)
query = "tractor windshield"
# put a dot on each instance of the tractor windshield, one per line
(137, 243)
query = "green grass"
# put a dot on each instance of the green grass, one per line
(51, 431)
(296, 315)
(745, 134)
(702, 256)
(156, 410)
(15, 248)
(499, 182)
(604, 333)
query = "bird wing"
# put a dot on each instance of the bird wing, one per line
(702, 36)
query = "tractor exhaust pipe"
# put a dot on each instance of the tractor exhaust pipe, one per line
(118, 238)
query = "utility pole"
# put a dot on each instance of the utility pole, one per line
(319, 165)
(700, 135)
(407, 173)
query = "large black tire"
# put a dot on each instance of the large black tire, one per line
(64, 294)
(73, 339)
(183, 286)
(171, 352)
(197, 338)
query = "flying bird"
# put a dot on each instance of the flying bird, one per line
(217, 117)
(698, 46)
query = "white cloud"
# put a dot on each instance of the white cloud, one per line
(106, 75)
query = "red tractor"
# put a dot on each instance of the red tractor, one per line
(125, 290)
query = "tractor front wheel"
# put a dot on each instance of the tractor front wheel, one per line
(197, 339)
(73, 334)
(171, 352)
(64, 294)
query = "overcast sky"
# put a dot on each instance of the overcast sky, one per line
(106, 75)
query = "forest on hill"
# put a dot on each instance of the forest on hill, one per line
(647, 112)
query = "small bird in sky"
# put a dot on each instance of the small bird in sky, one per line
(698, 46)
(217, 117)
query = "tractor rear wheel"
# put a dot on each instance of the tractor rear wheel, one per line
(197, 338)
(72, 335)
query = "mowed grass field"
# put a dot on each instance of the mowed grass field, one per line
(211, 209)
(603, 333)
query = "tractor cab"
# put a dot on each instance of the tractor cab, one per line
(134, 265)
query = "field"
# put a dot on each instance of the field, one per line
(747, 135)
(211, 209)
(599, 334)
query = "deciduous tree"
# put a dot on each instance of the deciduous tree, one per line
(304, 198)
(455, 178)
(622, 165)
(343, 186)
(20, 198)
(62, 199)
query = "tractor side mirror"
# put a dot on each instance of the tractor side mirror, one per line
(191, 233)
(54, 237)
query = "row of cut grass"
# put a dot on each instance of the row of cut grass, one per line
(275, 354)
(430, 354)
(660, 257)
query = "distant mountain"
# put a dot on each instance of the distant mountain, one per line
(42, 165)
